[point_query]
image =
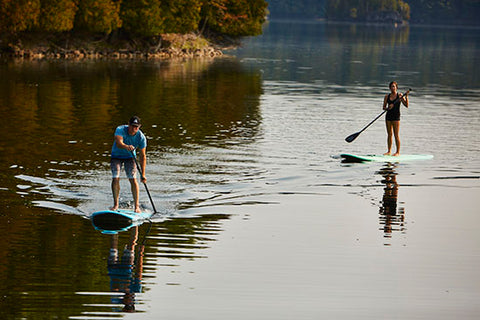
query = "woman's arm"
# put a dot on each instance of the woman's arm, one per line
(385, 102)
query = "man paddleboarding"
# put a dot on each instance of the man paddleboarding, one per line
(127, 138)
(391, 103)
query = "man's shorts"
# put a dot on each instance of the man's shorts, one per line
(129, 165)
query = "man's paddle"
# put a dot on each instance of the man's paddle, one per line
(354, 136)
(145, 184)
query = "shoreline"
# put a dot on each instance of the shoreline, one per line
(166, 46)
(80, 54)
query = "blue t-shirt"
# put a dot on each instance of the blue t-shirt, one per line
(138, 141)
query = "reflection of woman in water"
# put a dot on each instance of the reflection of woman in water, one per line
(389, 219)
(126, 272)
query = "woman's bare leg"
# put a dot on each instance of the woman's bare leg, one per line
(396, 132)
(389, 127)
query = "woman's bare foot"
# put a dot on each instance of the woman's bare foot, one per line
(114, 208)
(137, 210)
(396, 154)
(387, 153)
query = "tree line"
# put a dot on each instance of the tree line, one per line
(445, 11)
(138, 18)
(372, 10)
(416, 11)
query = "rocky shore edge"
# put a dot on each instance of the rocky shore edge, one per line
(167, 46)
(170, 53)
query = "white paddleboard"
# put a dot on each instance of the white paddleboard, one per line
(381, 158)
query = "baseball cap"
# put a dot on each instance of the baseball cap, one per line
(135, 121)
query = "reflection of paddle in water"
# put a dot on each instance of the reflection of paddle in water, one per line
(125, 270)
(391, 219)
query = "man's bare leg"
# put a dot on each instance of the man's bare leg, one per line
(135, 194)
(115, 192)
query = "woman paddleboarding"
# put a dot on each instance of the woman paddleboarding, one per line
(391, 103)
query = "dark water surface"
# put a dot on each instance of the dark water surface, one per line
(259, 218)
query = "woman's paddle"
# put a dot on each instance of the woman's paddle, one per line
(145, 184)
(354, 136)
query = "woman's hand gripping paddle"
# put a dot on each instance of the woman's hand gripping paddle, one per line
(354, 136)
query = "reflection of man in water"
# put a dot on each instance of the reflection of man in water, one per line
(389, 218)
(125, 272)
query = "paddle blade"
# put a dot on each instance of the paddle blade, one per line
(352, 137)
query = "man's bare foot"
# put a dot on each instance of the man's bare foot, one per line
(114, 208)
(387, 153)
(137, 210)
(396, 154)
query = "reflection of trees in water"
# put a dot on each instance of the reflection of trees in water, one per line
(48, 259)
(73, 107)
(181, 238)
(392, 218)
(360, 34)
(353, 54)
(215, 103)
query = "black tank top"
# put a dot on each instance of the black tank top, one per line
(394, 113)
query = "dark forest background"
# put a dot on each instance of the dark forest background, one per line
(464, 12)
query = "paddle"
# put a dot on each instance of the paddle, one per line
(354, 136)
(145, 184)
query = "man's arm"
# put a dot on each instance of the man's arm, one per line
(121, 145)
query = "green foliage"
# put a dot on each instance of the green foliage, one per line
(181, 16)
(235, 17)
(143, 17)
(18, 15)
(98, 16)
(57, 15)
(140, 18)
(154, 17)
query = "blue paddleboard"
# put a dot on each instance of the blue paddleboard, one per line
(114, 221)
(381, 158)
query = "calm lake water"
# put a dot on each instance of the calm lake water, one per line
(259, 218)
